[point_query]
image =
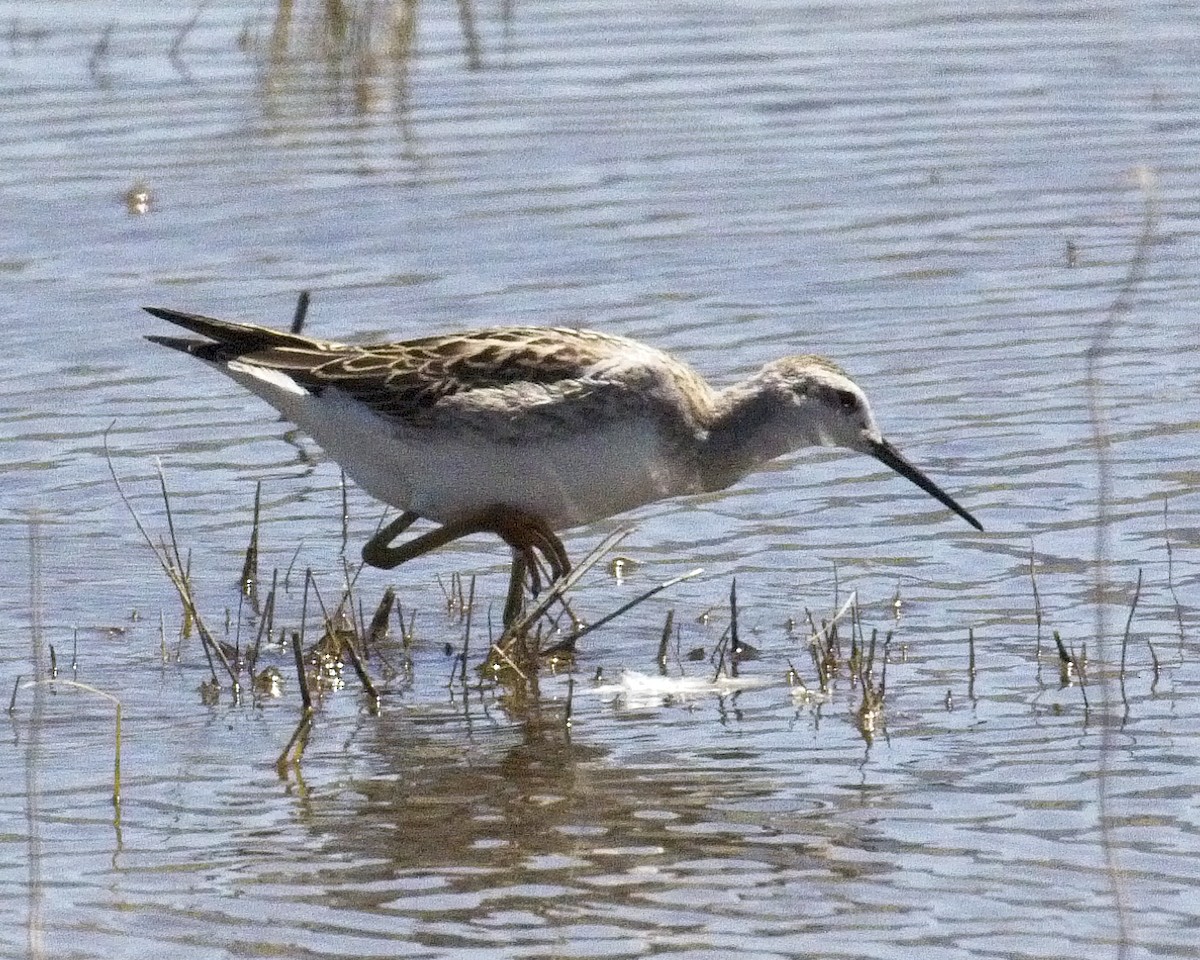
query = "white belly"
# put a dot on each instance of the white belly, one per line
(445, 475)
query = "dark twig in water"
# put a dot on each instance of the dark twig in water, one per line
(1171, 578)
(1071, 665)
(180, 37)
(100, 51)
(887, 655)
(793, 676)
(299, 737)
(1037, 599)
(287, 574)
(301, 313)
(250, 564)
(266, 622)
(815, 650)
(452, 595)
(360, 670)
(664, 640)
(1068, 666)
(1137, 592)
(971, 663)
(378, 628)
(304, 606)
(734, 642)
(466, 646)
(466, 20)
(719, 655)
(301, 673)
(408, 632)
(1154, 661)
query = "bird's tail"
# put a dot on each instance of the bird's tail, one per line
(226, 340)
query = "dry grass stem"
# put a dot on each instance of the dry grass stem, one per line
(377, 631)
(299, 740)
(250, 564)
(521, 627)
(361, 671)
(172, 564)
(640, 598)
(53, 683)
(847, 607)
(718, 654)
(1137, 592)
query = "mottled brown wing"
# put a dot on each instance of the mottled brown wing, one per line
(405, 380)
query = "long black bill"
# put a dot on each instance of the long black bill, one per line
(884, 452)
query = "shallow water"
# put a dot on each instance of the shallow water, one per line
(950, 205)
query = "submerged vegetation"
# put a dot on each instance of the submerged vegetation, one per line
(542, 641)
(837, 664)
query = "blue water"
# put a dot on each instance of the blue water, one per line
(949, 205)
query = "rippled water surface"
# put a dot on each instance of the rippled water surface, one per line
(956, 202)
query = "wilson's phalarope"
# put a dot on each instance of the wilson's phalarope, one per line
(524, 431)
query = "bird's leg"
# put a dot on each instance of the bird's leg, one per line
(526, 534)
(379, 554)
(376, 551)
(514, 602)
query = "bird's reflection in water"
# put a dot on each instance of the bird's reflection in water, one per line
(522, 816)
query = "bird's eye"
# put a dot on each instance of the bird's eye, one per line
(847, 400)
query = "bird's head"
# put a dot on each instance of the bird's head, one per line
(815, 403)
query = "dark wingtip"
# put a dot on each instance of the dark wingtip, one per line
(176, 343)
(165, 313)
(232, 339)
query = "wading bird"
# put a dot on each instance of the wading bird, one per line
(524, 431)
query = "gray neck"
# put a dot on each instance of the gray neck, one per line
(744, 434)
